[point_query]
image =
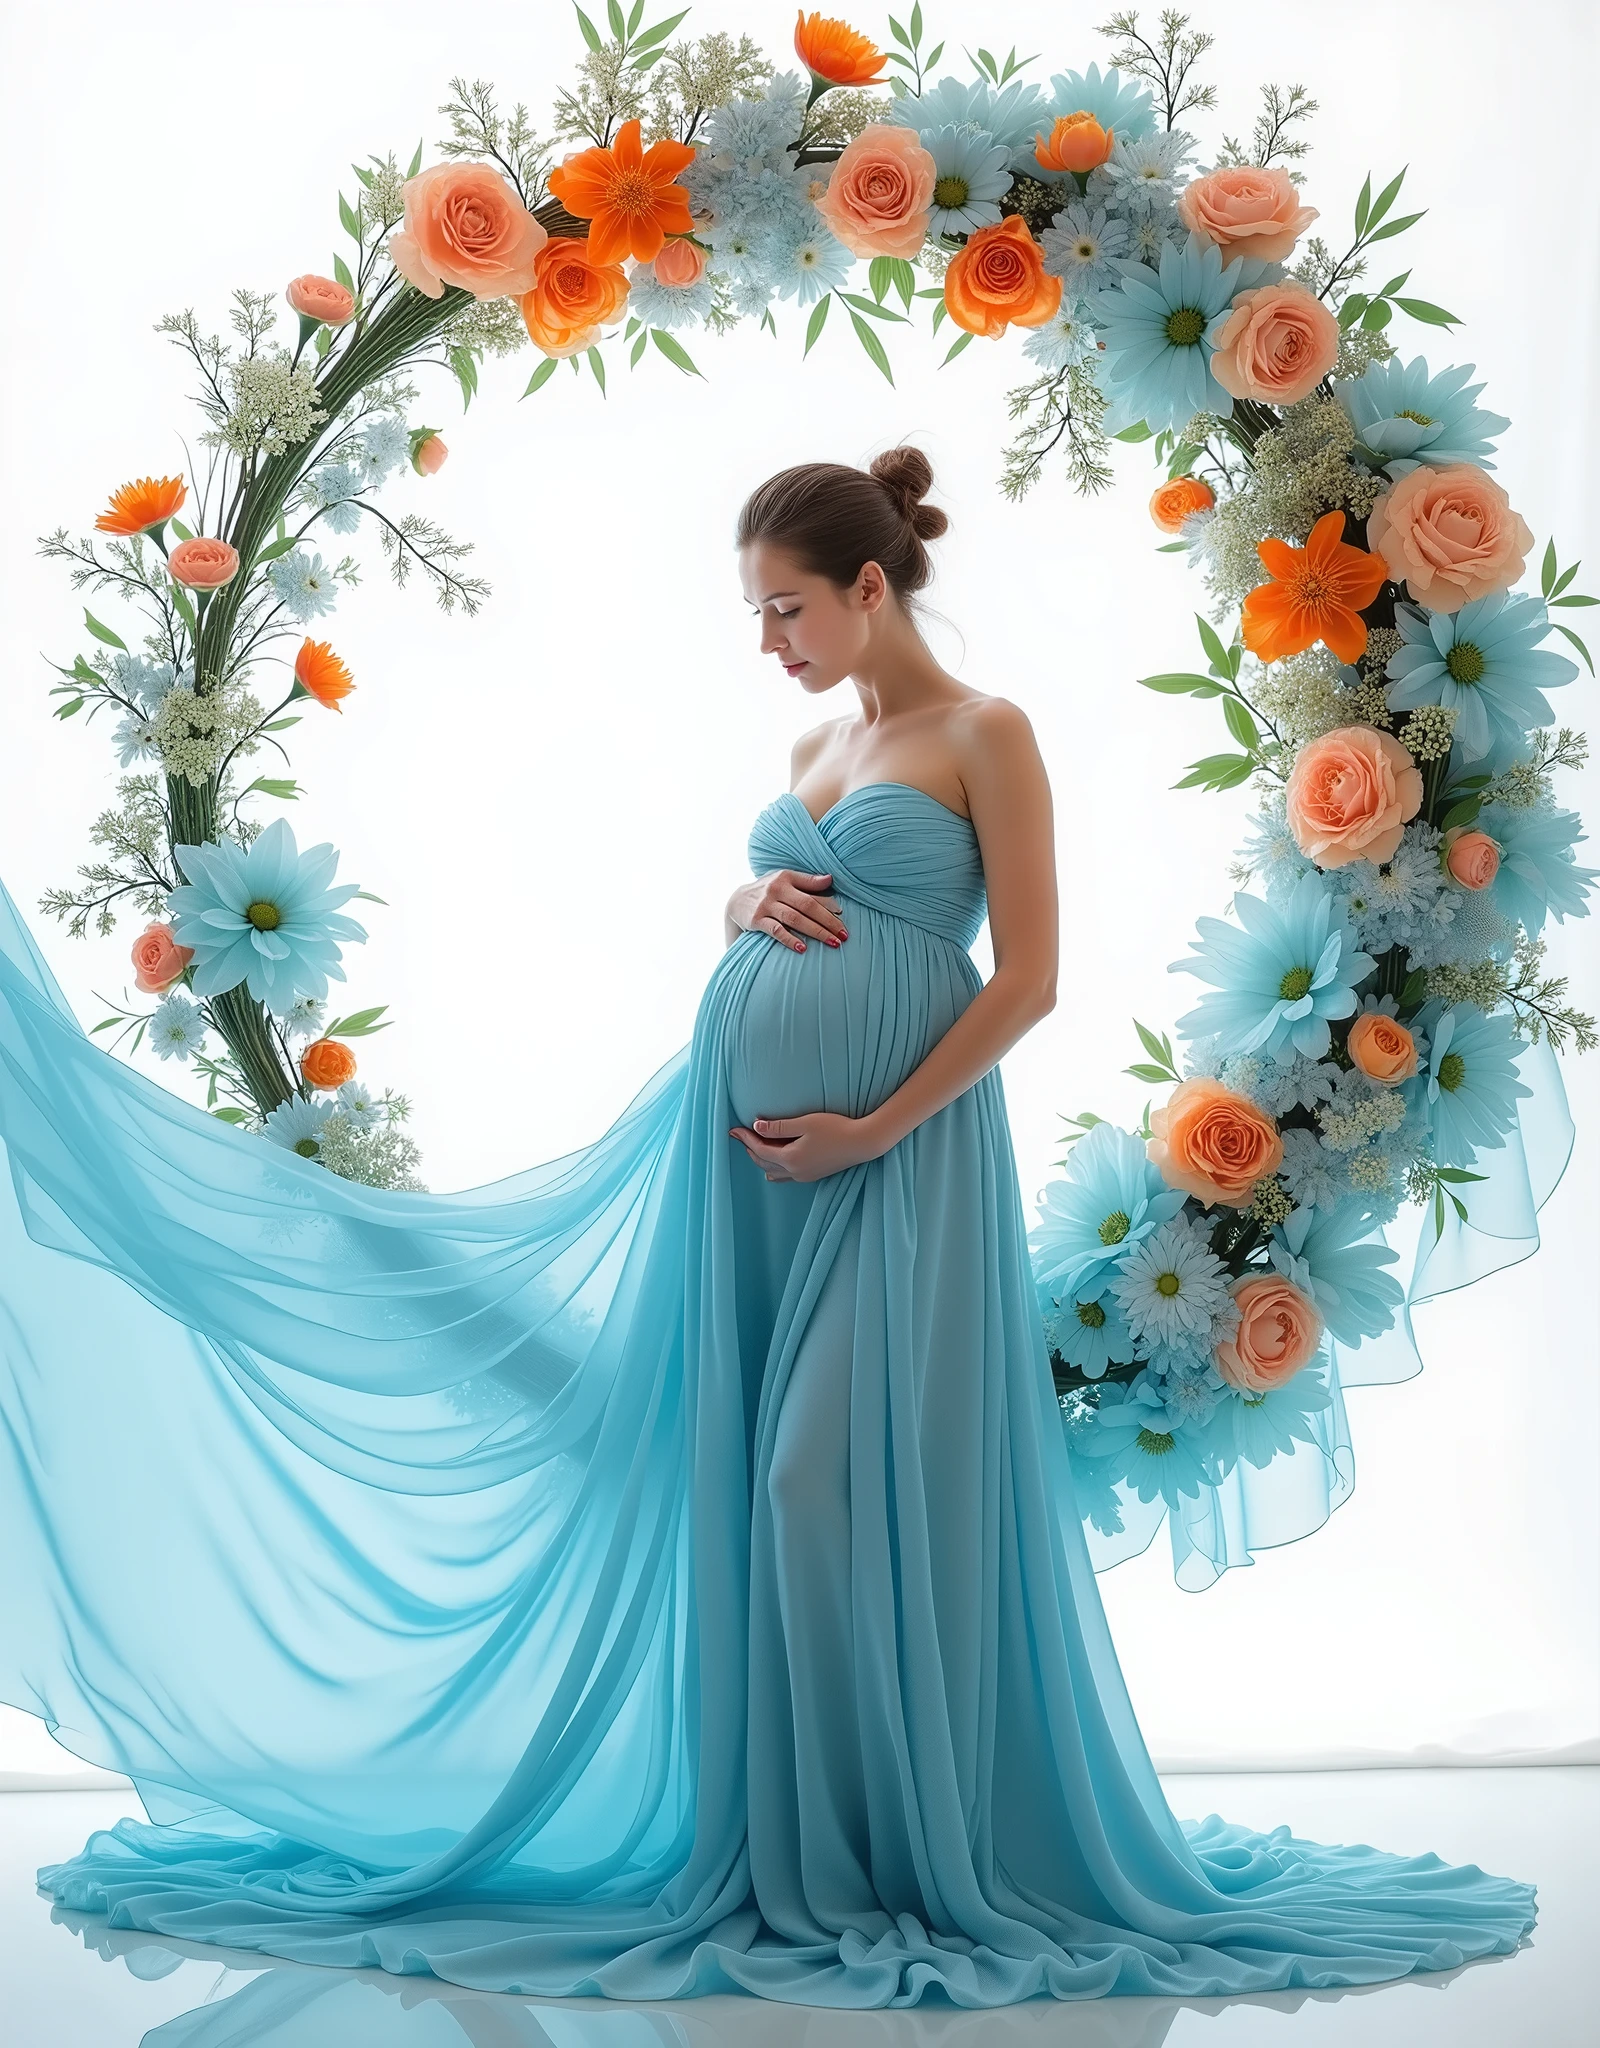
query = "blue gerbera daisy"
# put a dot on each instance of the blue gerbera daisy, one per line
(1277, 981)
(1483, 662)
(297, 1125)
(1471, 1086)
(1336, 1258)
(1121, 106)
(1539, 875)
(1110, 1199)
(1090, 1335)
(1411, 418)
(1080, 245)
(969, 178)
(1010, 115)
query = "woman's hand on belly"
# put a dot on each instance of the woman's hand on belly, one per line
(809, 1147)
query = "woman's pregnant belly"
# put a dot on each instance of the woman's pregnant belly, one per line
(839, 1028)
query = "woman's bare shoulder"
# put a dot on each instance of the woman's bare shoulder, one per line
(811, 744)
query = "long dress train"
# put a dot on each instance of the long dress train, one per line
(633, 1578)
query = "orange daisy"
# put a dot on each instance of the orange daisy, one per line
(321, 674)
(139, 506)
(833, 50)
(1317, 592)
(627, 194)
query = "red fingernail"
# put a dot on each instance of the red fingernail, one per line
(833, 942)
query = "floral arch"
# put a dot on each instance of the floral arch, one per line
(1376, 1027)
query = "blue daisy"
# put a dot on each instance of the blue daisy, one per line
(1111, 1198)
(303, 584)
(1010, 115)
(1484, 663)
(668, 305)
(970, 176)
(1538, 876)
(1411, 419)
(1279, 980)
(1266, 1426)
(264, 915)
(1159, 327)
(1471, 1086)
(1090, 1335)
(809, 265)
(1145, 1445)
(1334, 1256)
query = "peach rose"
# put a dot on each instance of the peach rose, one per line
(1471, 858)
(572, 296)
(1076, 142)
(1382, 1048)
(1350, 796)
(203, 563)
(880, 192)
(320, 298)
(464, 225)
(1212, 1143)
(328, 1063)
(1279, 1331)
(1247, 211)
(1276, 345)
(1171, 504)
(998, 276)
(158, 959)
(428, 457)
(1450, 534)
(680, 262)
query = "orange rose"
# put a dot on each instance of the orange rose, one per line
(1212, 1143)
(203, 563)
(1171, 504)
(328, 1063)
(1351, 795)
(1382, 1048)
(680, 262)
(997, 277)
(1076, 142)
(1276, 345)
(464, 225)
(1247, 211)
(1279, 1331)
(428, 457)
(572, 296)
(1471, 859)
(1450, 534)
(880, 192)
(158, 959)
(320, 298)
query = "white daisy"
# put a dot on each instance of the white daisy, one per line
(297, 1125)
(1171, 1287)
(1080, 246)
(135, 740)
(177, 1027)
(359, 1107)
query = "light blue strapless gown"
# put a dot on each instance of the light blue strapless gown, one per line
(634, 1578)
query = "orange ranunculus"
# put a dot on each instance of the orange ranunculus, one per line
(465, 225)
(321, 674)
(1279, 1332)
(328, 1063)
(1076, 142)
(573, 295)
(1382, 1048)
(833, 50)
(1171, 504)
(136, 507)
(1317, 592)
(1213, 1144)
(627, 194)
(203, 563)
(997, 277)
(1350, 796)
(158, 959)
(320, 298)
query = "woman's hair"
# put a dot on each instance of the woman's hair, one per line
(832, 518)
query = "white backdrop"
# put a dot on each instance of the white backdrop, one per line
(555, 797)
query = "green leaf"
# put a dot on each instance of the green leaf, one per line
(1431, 315)
(1556, 589)
(658, 34)
(366, 896)
(322, 343)
(899, 34)
(674, 351)
(185, 610)
(1216, 653)
(870, 342)
(341, 271)
(359, 1024)
(941, 313)
(542, 375)
(1438, 1214)
(638, 349)
(68, 709)
(1173, 547)
(1576, 598)
(597, 361)
(1136, 433)
(105, 1024)
(1397, 227)
(878, 277)
(874, 311)
(1158, 1048)
(104, 633)
(1458, 1174)
(619, 27)
(348, 219)
(1239, 722)
(1570, 635)
(1181, 685)
(1354, 306)
(1376, 316)
(282, 724)
(1142, 1072)
(933, 56)
(416, 161)
(1547, 569)
(1385, 199)
(1388, 291)
(1363, 205)
(591, 35)
(916, 25)
(814, 326)
(633, 18)
(281, 786)
(1462, 813)
(1415, 990)
(1217, 771)
(181, 530)
(956, 347)
(230, 1115)
(1182, 461)
(274, 549)
(465, 365)
(903, 278)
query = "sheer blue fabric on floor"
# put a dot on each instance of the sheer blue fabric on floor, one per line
(634, 1578)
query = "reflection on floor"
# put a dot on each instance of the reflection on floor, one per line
(69, 1981)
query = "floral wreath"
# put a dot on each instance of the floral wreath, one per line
(1368, 1021)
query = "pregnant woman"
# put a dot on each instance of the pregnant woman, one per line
(658, 1573)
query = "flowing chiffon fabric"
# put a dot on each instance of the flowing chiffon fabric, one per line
(634, 1578)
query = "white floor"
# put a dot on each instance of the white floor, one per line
(65, 1982)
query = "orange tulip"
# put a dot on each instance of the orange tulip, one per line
(1172, 503)
(1317, 592)
(1076, 142)
(136, 507)
(572, 296)
(834, 51)
(322, 674)
(327, 1063)
(627, 193)
(998, 276)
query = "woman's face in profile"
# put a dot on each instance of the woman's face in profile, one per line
(817, 631)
